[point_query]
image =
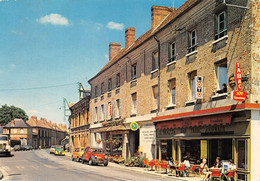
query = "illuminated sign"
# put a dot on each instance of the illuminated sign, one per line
(238, 75)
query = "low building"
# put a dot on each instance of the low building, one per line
(19, 131)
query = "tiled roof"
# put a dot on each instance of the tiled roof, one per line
(18, 123)
(149, 34)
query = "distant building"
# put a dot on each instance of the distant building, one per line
(19, 131)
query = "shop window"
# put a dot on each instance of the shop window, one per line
(221, 73)
(155, 63)
(134, 103)
(192, 84)
(242, 154)
(96, 91)
(192, 46)
(222, 29)
(133, 72)
(102, 88)
(172, 91)
(109, 86)
(155, 97)
(190, 149)
(172, 52)
(117, 80)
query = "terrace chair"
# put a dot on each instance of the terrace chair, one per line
(146, 163)
(151, 164)
(157, 165)
(216, 174)
(192, 170)
(164, 165)
(230, 175)
(181, 169)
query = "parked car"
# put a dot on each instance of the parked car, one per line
(28, 147)
(17, 147)
(52, 149)
(94, 156)
(77, 154)
(59, 151)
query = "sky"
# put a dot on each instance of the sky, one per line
(47, 46)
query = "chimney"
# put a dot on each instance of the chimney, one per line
(114, 48)
(12, 122)
(34, 118)
(129, 36)
(158, 14)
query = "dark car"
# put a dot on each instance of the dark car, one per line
(17, 147)
(94, 156)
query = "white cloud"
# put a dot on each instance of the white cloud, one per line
(54, 19)
(115, 26)
(33, 111)
(106, 55)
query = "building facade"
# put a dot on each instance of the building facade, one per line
(177, 82)
(79, 123)
(19, 131)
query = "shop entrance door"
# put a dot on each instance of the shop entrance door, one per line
(221, 148)
(136, 136)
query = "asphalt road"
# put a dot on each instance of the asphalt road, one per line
(40, 165)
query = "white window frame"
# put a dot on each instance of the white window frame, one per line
(218, 75)
(134, 104)
(172, 57)
(102, 112)
(219, 31)
(192, 47)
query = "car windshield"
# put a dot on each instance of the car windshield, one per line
(59, 147)
(3, 138)
(17, 146)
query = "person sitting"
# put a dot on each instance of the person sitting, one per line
(172, 165)
(204, 169)
(223, 90)
(217, 164)
(187, 167)
(231, 168)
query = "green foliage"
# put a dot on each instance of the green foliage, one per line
(8, 113)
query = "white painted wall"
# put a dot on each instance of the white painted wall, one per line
(255, 145)
(147, 138)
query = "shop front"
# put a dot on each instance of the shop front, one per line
(225, 135)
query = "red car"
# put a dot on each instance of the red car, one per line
(94, 156)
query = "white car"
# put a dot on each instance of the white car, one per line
(52, 149)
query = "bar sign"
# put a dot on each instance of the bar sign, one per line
(199, 87)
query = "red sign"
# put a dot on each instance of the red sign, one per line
(239, 95)
(238, 75)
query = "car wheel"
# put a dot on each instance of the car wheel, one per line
(90, 162)
(78, 159)
(105, 164)
(82, 161)
(72, 158)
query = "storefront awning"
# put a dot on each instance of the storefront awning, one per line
(222, 119)
(111, 128)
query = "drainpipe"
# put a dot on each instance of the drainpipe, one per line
(159, 57)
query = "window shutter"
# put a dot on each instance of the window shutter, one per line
(119, 107)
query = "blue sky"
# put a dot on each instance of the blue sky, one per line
(55, 42)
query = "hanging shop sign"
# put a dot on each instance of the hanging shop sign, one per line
(238, 95)
(232, 81)
(199, 87)
(203, 149)
(238, 75)
(134, 126)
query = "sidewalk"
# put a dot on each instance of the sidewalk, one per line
(157, 173)
(1, 175)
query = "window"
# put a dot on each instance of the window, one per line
(118, 110)
(133, 72)
(109, 87)
(192, 41)
(102, 88)
(155, 63)
(155, 96)
(96, 114)
(102, 112)
(109, 111)
(79, 119)
(242, 154)
(21, 131)
(172, 91)
(221, 71)
(96, 91)
(118, 80)
(172, 52)
(134, 104)
(222, 30)
(192, 84)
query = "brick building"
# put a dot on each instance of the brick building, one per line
(19, 131)
(170, 81)
(79, 123)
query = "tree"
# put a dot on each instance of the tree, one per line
(8, 113)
